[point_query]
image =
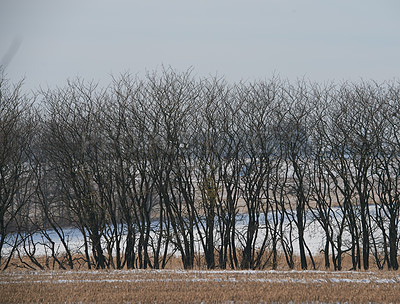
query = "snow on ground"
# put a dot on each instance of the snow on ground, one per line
(314, 237)
(225, 276)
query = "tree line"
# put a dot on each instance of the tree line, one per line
(175, 165)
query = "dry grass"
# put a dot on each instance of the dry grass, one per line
(177, 286)
(175, 262)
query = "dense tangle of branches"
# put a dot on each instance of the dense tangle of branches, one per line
(170, 165)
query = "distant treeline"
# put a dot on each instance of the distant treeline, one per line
(165, 165)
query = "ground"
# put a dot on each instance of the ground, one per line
(178, 286)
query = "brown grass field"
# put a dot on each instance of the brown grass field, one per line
(198, 286)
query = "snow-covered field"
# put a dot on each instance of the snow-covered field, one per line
(184, 276)
(314, 237)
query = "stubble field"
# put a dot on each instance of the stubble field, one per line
(178, 286)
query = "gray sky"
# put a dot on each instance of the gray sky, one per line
(53, 40)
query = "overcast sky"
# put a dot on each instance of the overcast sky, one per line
(48, 41)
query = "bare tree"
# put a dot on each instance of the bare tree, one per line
(72, 144)
(258, 160)
(16, 131)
